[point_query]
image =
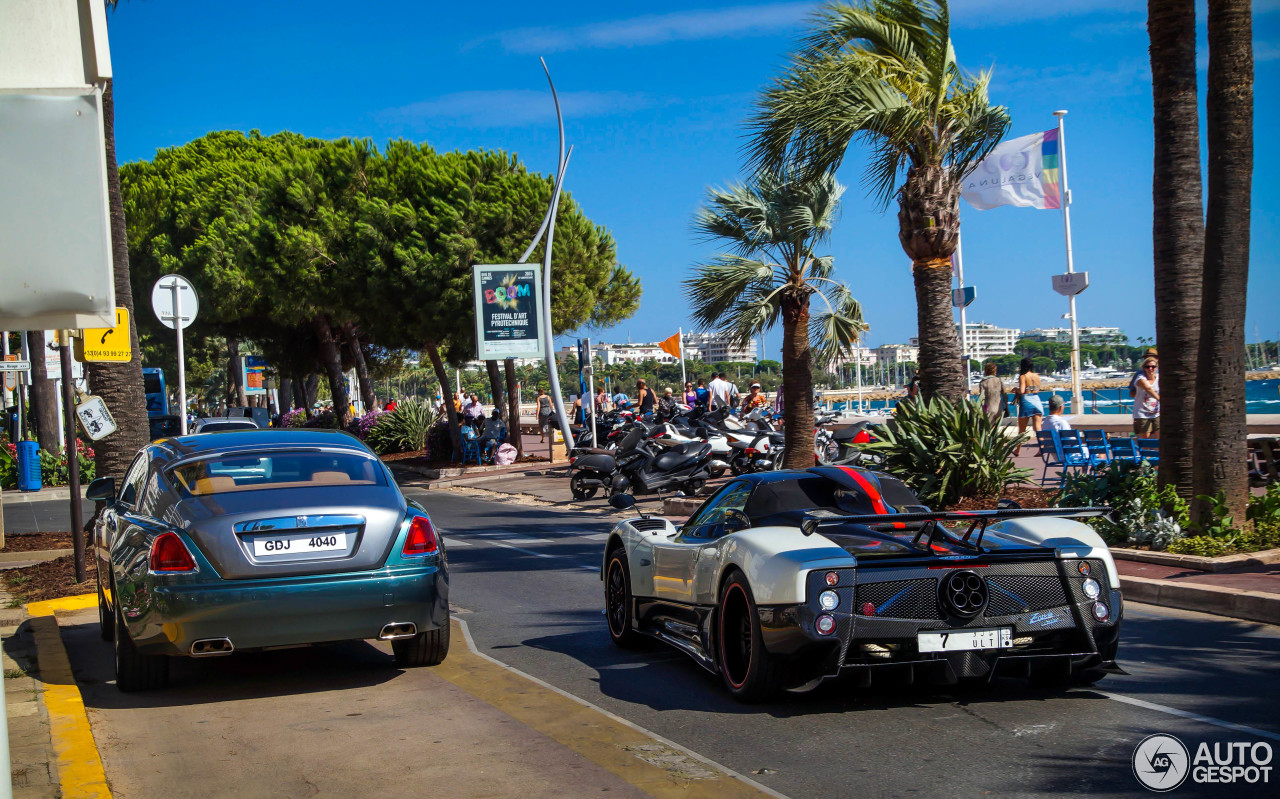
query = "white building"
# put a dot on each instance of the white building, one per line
(864, 356)
(609, 354)
(1088, 335)
(982, 340)
(893, 354)
(715, 348)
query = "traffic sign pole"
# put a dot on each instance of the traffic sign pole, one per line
(73, 457)
(182, 359)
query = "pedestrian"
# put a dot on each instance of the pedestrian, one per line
(733, 393)
(690, 397)
(991, 393)
(544, 414)
(495, 430)
(719, 388)
(391, 405)
(702, 394)
(602, 402)
(1055, 420)
(913, 394)
(645, 398)
(1133, 381)
(778, 402)
(667, 405)
(621, 401)
(1146, 401)
(1030, 408)
(754, 399)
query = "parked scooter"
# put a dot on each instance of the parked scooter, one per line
(642, 465)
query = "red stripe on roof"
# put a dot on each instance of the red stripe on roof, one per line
(869, 488)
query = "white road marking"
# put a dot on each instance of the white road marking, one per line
(450, 541)
(497, 542)
(1173, 711)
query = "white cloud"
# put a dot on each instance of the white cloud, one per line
(658, 28)
(515, 108)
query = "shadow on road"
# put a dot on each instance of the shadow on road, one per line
(244, 675)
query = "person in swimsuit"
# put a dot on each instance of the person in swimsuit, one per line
(690, 396)
(1030, 408)
(544, 414)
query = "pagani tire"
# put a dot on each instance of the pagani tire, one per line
(749, 672)
(428, 648)
(618, 604)
(581, 492)
(134, 670)
(106, 619)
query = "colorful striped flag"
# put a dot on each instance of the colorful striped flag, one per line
(1022, 172)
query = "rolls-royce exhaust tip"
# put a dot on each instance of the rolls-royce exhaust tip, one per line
(208, 647)
(398, 630)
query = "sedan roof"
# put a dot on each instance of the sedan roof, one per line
(186, 446)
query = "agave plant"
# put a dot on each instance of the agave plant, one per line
(406, 429)
(945, 452)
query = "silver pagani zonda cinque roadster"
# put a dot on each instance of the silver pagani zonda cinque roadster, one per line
(782, 579)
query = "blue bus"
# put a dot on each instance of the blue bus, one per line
(157, 397)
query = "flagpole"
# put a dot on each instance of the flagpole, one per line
(964, 329)
(683, 379)
(1077, 398)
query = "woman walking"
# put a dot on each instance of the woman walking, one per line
(544, 414)
(1030, 408)
(991, 393)
(1146, 401)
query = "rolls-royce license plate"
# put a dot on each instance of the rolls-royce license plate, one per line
(959, 640)
(298, 544)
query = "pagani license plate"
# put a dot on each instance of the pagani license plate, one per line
(960, 640)
(298, 544)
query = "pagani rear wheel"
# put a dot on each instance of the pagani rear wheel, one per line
(750, 673)
(618, 606)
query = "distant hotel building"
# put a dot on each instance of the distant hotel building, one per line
(708, 347)
(715, 348)
(1088, 335)
(982, 340)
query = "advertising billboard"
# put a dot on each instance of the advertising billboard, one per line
(507, 311)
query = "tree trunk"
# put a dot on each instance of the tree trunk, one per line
(310, 390)
(331, 360)
(928, 229)
(513, 409)
(446, 392)
(285, 393)
(797, 375)
(119, 384)
(1220, 429)
(367, 396)
(495, 383)
(44, 395)
(1177, 230)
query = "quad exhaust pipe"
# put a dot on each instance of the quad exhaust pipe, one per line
(398, 630)
(208, 647)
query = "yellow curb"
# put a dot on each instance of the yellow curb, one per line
(603, 738)
(66, 604)
(80, 774)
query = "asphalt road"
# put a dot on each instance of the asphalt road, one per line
(525, 580)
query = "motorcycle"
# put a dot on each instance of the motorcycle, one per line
(642, 465)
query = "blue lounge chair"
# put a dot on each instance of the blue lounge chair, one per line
(1124, 449)
(1071, 452)
(1099, 449)
(1148, 449)
(1048, 453)
(470, 444)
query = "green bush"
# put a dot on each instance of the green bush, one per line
(1221, 536)
(406, 429)
(946, 452)
(1145, 513)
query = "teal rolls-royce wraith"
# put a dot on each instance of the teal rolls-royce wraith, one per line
(236, 541)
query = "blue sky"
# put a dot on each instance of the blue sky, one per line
(654, 104)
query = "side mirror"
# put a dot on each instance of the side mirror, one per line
(102, 490)
(622, 501)
(735, 520)
(1008, 504)
(809, 526)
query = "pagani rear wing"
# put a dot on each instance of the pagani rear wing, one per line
(930, 521)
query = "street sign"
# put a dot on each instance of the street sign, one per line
(174, 300)
(15, 365)
(1071, 283)
(963, 297)
(106, 343)
(95, 418)
(255, 370)
(163, 300)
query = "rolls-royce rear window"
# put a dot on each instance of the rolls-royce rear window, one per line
(275, 470)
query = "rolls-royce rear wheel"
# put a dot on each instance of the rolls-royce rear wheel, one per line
(427, 648)
(618, 607)
(134, 670)
(106, 619)
(750, 673)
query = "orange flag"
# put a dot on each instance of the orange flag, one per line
(672, 346)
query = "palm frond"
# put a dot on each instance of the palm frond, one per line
(717, 289)
(833, 330)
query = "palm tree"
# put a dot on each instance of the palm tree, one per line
(1220, 431)
(885, 72)
(1177, 229)
(773, 224)
(119, 384)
